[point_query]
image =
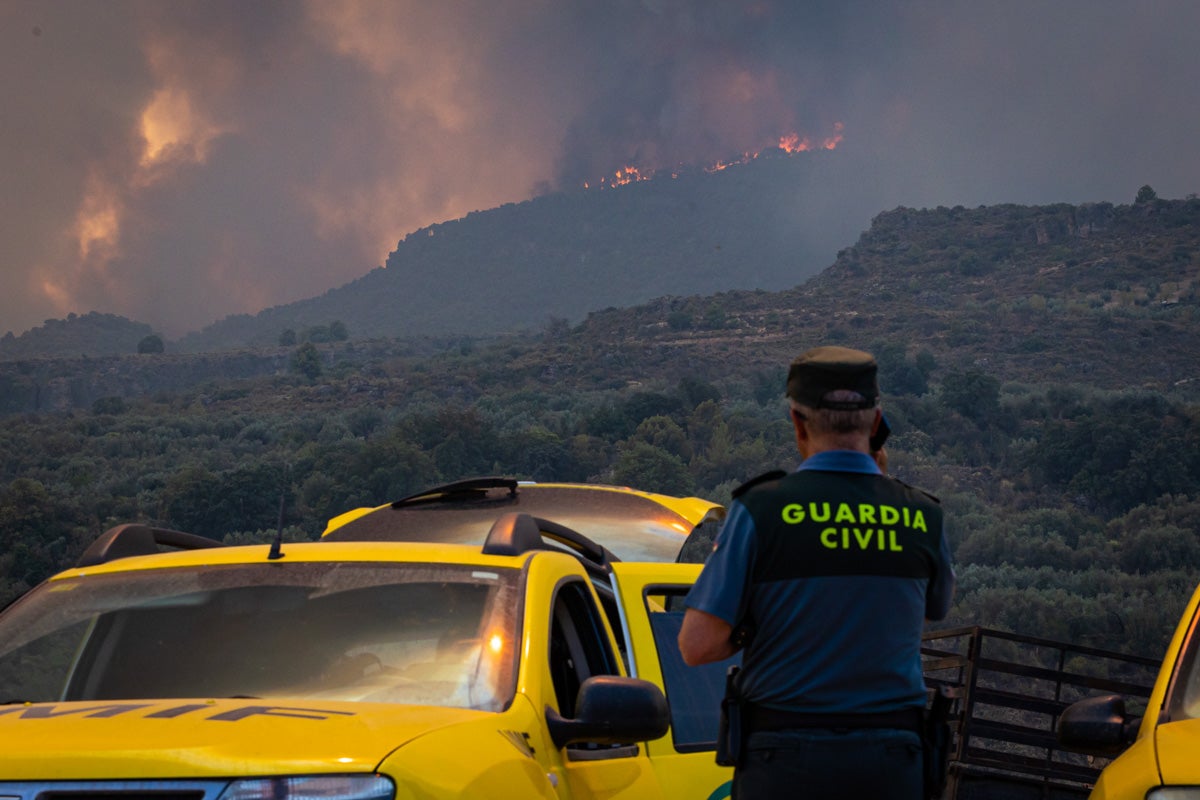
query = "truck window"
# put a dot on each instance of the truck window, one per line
(693, 693)
(579, 649)
(579, 645)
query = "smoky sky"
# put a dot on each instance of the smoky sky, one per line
(176, 162)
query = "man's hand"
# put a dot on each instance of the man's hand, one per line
(704, 638)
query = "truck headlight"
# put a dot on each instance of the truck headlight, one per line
(312, 787)
(1175, 793)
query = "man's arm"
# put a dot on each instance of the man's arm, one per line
(718, 593)
(704, 638)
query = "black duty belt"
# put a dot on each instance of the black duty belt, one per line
(759, 718)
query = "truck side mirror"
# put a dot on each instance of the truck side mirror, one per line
(612, 710)
(1097, 725)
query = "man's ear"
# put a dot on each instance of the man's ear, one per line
(801, 430)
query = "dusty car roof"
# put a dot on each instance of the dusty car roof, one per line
(632, 525)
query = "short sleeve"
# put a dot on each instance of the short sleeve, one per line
(721, 588)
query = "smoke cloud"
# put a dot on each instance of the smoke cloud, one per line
(179, 162)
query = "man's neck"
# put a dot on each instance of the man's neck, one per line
(857, 442)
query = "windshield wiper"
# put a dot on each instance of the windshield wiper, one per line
(470, 490)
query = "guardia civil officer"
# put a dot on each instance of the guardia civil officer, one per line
(825, 576)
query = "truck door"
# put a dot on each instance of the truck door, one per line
(580, 647)
(651, 601)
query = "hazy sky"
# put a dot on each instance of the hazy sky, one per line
(176, 161)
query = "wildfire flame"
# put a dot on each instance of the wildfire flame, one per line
(791, 144)
(623, 176)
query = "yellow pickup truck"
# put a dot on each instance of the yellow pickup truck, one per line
(399, 657)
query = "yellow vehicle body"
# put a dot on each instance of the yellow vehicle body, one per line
(1162, 760)
(691, 510)
(633, 525)
(553, 628)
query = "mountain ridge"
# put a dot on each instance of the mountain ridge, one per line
(1096, 294)
(559, 255)
(563, 255)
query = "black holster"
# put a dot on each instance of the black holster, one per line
(937, 736)
(730, 732)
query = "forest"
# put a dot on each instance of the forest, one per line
(1041, 391)
(1073, 514)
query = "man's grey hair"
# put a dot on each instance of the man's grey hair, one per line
(832, 420)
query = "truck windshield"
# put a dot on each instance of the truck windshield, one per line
(423, 634)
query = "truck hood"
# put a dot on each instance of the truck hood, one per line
(207, 738)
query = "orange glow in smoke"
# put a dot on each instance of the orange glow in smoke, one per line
(59, 297)
(833, 141)
(98, 223)
(172, 128)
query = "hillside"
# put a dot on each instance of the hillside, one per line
(1095, 294)
(1100, 295)
(1038, 367)
(92, 334)
(563, 255)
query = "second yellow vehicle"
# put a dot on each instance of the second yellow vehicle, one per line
(1157, 749)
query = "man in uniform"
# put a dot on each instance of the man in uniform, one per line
(825, 577)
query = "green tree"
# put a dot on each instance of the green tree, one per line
(715, 317)
(695, 391)
(364, 421)
(537, 453)
(26, 512)
(974, 394)
(306, 360)
(39, 535)
(1159, 549)
(770, 387)
(249, 498)
(189, 501)
(151, 344)
(109, 405)
(926, 363)
(392, 467)
(899, 374)
(679, 320)
(652, 469)
(317, 334)
(1145, 195)
(665, 433)
(287, 338)
(1121, 452)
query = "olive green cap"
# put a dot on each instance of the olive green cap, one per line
(821, 370)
